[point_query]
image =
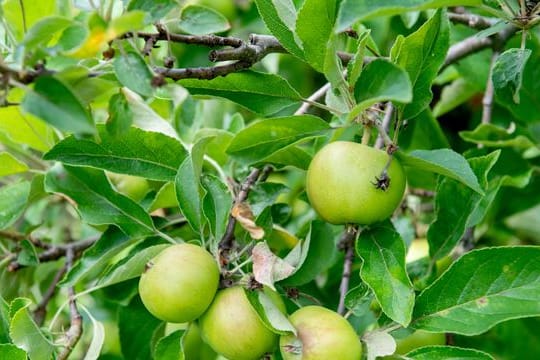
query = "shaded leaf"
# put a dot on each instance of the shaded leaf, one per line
(315, 254)
(96, 201)
(216, 204)
(55, 103)
(170, 347)
(13, 200)
(508, 74)
(201, 20)
(133, 72)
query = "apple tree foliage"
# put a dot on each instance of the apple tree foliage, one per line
(126, 126)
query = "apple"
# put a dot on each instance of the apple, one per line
(194, 346)
(179, 284)
(418, 339)
(133, 187)
(322, 334)
(342, 184)
(233, 328)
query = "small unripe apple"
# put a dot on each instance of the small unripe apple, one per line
(179, 283)
(418, 339)
(233, 328)
(134, 187)
(322, 334)
(348, 183)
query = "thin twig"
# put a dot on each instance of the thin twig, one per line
(487, 100)
(74, 333)
(55, 252)
(471, 20)
(347, 244)
(41, 310)
(383, 138)
(475, 44)
(313, 97)
(227, 240)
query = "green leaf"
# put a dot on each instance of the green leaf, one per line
(290, 156)
(13, 200)
(145, 117)
(43, 31)
(269, 313)
(455, 94)
(133, 72)
(155, 9)
(201, 20)
(128, 21)
(422, 54)
(12, 352)
(447, 353)
(10, 165)
(27, 255)
(96, 258)
(315, 254)
(55, 103)
(24, 333)
(444, 162)
(140, 153)
(133, 265)
(25, 129)
(319, 15)
(381, 81)
(483, 288)
(137, 328)
(264, 138)
(423, 132)
(508, 74)
(455, 206)
(19, 21)
(352, 11)
(262, 93)
(188, 186)
(4, 321)
(494, 136)
(171, 347)
(120, 115)
(383, 269)
(98, 337)
(97, 202)
(279, 17)
(216, 204)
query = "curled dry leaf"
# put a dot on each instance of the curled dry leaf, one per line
(243, 214)
(267, 267)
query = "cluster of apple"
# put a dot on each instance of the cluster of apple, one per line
(181, 285)
(347, 183)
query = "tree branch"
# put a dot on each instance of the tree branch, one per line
(471, 20)
(346, 244)
(41, 310)
(75, 330)
(55, 252)
(487, 100)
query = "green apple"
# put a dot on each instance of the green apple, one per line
(179, 284)
(342, 184)
(133, 187)
(419, 339)
(233, 328)
(194, 347)
(322, 334)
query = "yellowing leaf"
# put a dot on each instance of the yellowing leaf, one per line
(267, 267)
